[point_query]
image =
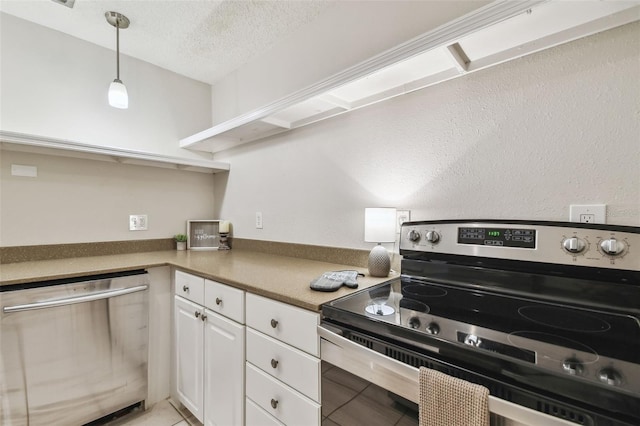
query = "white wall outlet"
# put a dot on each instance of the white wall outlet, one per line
(138, 222)
(258, 220)
(588, 213)
(402, 216)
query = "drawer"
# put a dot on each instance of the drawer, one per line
(279, 400)
(224, 300)
(190, 287)
(297, 369)
(256, 416)
(290, 324)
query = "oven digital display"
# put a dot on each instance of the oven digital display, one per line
(498, 237)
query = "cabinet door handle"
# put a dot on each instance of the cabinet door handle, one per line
(274, 363)
(274, 403)
(185, 289)
(203, 317)
(197, 314)
(274, 323)
(218, 301)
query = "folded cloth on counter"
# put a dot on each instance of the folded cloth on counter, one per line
(331, 281)
(447, 401)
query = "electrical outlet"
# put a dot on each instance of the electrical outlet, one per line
(138, 222)
(402, 216)
(258, 220)
(588, 213)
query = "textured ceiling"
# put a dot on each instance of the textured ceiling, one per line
(201, 39)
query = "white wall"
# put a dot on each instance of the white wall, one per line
(74, 200)
(523, 140)
(345, 34)
(55, 85)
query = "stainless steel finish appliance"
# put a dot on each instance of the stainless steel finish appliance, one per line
(73, 351)
(544, 314)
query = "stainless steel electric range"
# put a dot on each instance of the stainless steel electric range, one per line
(545, 314)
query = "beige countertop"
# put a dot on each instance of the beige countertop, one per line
(278, 277)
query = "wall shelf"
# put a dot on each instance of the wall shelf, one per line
(497, 33)
(14, 141)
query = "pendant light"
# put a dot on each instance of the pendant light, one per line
(118, 97)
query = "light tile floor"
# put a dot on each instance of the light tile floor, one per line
(347, 401)
(161, 414)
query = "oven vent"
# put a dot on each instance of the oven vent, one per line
(563, 413)
(362, 341)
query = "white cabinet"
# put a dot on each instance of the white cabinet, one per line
(210, 341)
(283, 365)
(223, 371)
(189, 355)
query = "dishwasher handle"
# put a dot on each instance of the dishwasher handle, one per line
(72, 300)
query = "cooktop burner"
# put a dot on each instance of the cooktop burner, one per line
(379, 308)
(564, 319)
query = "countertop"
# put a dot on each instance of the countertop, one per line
(278, 277)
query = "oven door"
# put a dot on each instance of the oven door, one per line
(387, 387)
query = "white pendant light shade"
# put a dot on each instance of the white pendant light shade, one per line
(118, 97)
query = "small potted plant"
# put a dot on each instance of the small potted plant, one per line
(181, 241)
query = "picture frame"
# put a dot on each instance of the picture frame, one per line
(203, 234)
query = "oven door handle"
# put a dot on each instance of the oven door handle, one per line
(403, 379)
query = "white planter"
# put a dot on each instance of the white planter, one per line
(181, 245)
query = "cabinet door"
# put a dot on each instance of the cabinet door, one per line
(191, 287)
(224, 371)
(224, 300)
(294, 367)
(189, 355)
(284, 403)
(256, 416)
(287, 323)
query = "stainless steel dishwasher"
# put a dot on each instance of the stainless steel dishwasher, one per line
(73, 351)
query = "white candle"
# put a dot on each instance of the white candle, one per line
(224, 227)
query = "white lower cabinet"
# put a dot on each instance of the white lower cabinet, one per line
(281, 401)
(257, 416)
(210, 351)
(223, 371)
(189, 355)
(283, 365)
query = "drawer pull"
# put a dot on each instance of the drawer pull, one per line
(274, 403)
(218, 301)
(203, 317)
(274, 363)
(197, 314)
(185, 288)
(274, 323)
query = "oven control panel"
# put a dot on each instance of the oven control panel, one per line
(567, 243)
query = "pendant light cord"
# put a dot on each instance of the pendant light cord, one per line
(118, 49)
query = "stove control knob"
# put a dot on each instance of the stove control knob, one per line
(413, 235)
(572, 366)
(612, 247)
(573, 245)
(414, 322)
(432, 328)
(609, 376)
(432, 236)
